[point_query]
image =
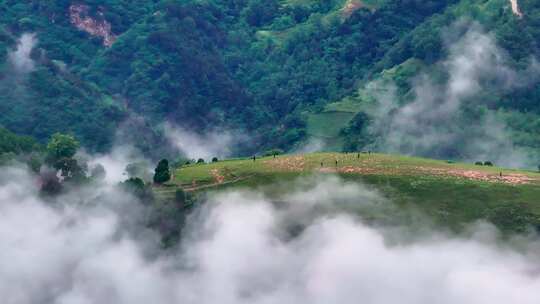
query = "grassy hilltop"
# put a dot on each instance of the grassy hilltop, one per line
(453, 193)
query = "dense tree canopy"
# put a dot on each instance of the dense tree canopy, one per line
(245, 65)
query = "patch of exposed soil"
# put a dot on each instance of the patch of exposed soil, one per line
(507, 178)
(350, 7)
(515, 8)
(293, 163)
(195, 187)
(370, 167)
(95, 26)
(217, 176)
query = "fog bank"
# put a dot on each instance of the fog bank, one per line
(208, 145)
(449, 117)
(20, 57)
(91, 246)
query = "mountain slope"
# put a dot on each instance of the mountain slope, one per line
(284, 70)
(169, 67)
(39, 97)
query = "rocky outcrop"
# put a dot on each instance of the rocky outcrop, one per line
(95, 26)
(515, 8)
(350, 7)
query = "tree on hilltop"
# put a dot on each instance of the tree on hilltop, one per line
(162, 173)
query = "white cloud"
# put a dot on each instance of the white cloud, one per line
(435, 123)
(238, 249)
(311, 145)
(20, 57)
(206, 146)
(116, 161)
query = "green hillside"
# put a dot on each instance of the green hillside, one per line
(287, 71)
(452, 193)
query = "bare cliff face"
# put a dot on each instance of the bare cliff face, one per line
(95, 26)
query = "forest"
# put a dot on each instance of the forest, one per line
(269, 69)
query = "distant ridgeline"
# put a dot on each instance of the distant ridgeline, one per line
(290, 72)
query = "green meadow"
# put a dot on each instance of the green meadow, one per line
(452, 194)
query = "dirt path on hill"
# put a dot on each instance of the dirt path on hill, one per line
(506, 178)
(195, 187)
(293, 163)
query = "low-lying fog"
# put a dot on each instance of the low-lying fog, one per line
(91, 246)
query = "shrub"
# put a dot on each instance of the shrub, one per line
(488, 163)
(139, 169)
(180, 162)
(200, 161)
(215, 160)
(34, 163)
(479, 163)
(134, 185)
(139, 189)
(273, 152)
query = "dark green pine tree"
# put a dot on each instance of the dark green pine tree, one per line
(162, 173)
